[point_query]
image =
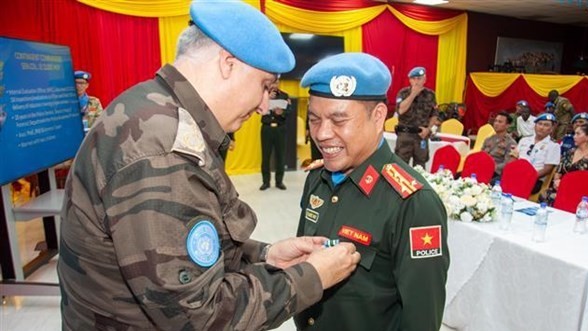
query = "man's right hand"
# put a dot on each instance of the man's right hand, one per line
(334, 264)
(416, 89)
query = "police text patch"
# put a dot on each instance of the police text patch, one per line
(425, 241)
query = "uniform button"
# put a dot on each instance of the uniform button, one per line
(185, 277)
(311, 321)
(335, 199)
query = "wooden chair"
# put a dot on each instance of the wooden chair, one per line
(484, 132)
(518, 178)
(390, 124)
(544, 187)
(447, 156)
(481, 164)
(452, 126)
(573, 186)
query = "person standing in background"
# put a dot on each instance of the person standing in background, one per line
(90, 106)
(417, 112)
(273, 138)
(153, 233)
(563, 111)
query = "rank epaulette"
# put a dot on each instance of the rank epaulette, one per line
(401, 180)
(314, 165)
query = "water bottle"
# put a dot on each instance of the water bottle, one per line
(441, 169)
(506, 207)
(540, 226)
(496, 196)
(474, 178)
(581, 216)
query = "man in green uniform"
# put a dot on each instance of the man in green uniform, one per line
(417, 114)
(273, 138)
(367, 195)
(500, 144)
(564, 111)
(153, 233)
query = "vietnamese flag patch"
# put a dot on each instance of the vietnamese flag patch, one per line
(425, 241)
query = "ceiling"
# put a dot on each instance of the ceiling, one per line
(574, 12)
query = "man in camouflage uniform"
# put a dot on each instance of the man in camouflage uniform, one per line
(367, 195)
(500, 144)
(417, 112)
(564, 111)
(90, 106)
(153, 234)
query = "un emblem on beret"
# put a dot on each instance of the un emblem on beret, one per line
(203, 244)
(343, 86)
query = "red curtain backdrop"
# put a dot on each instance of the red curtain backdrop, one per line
(480, 107)
(331, 5)
(425, 13)
(118, 50)
(401, 49)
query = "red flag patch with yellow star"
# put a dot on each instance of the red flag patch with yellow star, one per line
(401, 180)
(368, 180)
(425, 241)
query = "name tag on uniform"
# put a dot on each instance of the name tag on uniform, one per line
(311, 215)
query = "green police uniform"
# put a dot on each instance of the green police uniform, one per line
(564, 111)
(399, 226)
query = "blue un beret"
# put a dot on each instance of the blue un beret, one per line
(549, 104)
(354, 76)
(578, 116)
(417, 72)
(546, 117)
(523, 103)
(80, 74)
(244, 32)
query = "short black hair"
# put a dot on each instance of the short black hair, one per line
(505, 114)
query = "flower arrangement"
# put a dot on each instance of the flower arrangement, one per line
(465, 199)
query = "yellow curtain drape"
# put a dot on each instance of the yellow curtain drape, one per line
(494, 84)
(451, 56)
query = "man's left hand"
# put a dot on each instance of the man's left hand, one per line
(425, 132)
(291, 251)
(278, 111)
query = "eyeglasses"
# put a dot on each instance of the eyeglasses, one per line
(530, 149)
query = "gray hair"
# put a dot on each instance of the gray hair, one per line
(192, 42)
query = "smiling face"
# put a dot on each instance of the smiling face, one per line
(81, 86)
(347, 132)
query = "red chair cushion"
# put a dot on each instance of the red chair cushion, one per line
(447, 156)
(481, 164)
(573, 186)
(518, 178)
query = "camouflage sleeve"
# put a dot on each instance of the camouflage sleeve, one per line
(150, 206)
(421, 278)
(433, 105)
(252, 250)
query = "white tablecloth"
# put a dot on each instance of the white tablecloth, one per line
(503, 281)
(459, 142)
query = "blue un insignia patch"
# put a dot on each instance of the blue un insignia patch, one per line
(203, 244)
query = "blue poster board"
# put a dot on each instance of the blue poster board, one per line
(40, 120)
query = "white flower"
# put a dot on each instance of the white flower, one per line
(467, 200)
(476, 190)
(466, 217)
(482, 207)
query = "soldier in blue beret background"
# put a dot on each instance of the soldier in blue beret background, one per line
(567, 141)
(367, 195)
(539, 149)
(90, 106)
(417, 114)
(549, 107)
(153, 233)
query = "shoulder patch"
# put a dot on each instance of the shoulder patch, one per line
(314, 165)
(189, 139)
(203, 244)
(400, 180)
(425, 242)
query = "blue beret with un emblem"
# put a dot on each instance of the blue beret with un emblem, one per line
(80, 74)
(546, 117)
(244, 32)
(417, 72)
(353, 76)
(523, 103)
(578, 116)
(549, 104)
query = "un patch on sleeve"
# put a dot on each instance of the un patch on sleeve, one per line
(203, 244)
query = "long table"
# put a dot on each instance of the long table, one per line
(462, 144)
(503, 281)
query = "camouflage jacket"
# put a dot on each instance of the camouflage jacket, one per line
(564, 111)
(499, 148)
(93, 110)
(423, 107)
(146, 175)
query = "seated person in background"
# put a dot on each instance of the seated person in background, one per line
(567, 141)
(525, 121)
(549, 107)
(540, 150)
(573, 160)
(500, 144)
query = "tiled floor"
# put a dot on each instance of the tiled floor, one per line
(277, 212)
